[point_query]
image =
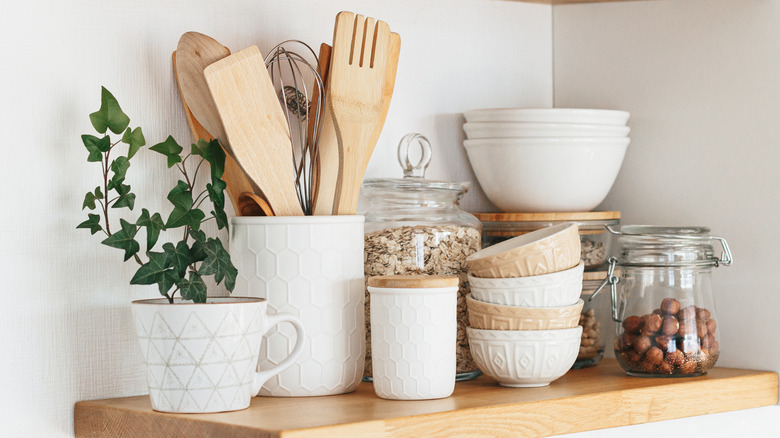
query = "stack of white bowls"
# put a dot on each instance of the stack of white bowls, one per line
(546, 159)
(525, 305)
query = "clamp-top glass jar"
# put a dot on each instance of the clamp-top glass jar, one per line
(415, 226)
(663, 300)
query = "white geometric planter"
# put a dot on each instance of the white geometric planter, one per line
(202, 357)
(310, 267)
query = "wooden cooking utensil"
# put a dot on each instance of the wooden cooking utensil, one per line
(250, 204)
(195, 52)
(255, 126)
(355, 87)
(387, 91)
(234, 176)
(324, 68)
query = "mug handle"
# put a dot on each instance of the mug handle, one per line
(262, 376)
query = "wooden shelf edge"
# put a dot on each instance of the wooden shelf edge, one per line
(583, 400)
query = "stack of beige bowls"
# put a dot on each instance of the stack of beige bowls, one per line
(525, 305)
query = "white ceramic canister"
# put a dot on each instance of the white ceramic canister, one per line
(413, 332)
(201, 357)
(311, 267)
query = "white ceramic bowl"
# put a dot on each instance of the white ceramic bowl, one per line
(525, 358)
(527, 129)
(546, 174)
(550, 290)
(549, 115)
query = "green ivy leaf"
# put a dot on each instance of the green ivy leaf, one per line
(124, 239)
(151, 271)
(91, 197)
(183, 213)
(170, 149)
(178, 256)
(134, 138)
(154, 224)
(218, 263)
(120, 166)
(193, 288)
(110, 115)
(216, 191)
(168, 278)
(96, 146)
(197, 251)
(125, 199)
(213, 153)
(92, 224)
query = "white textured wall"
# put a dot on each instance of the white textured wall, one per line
(65, 316)
(701, 79)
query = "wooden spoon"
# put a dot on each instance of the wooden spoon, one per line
(255, 126)
(361, 48)
(250, 204)
(234, 177)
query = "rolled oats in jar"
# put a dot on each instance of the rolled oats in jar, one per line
(416, 226)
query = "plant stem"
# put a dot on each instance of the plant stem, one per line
(105, 191)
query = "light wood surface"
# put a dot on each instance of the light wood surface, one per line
(354, 95)
(588, 399)
(234, 176)
(565, 2)
(413, 281)
(387, 91)
(255, 126)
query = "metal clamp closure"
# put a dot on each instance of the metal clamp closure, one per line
(613, 281)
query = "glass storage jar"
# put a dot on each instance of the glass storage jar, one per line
(415, 226)
(594, 239)
(663, 299)
(591, 319)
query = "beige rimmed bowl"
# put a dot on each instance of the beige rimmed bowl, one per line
(488, 316)
(544, 251)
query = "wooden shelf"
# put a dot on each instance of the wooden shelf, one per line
(565, 2)
(587, 399)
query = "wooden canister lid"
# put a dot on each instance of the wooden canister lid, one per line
(413, 281)
(551, 217)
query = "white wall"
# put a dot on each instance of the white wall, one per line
(701, 79)
(65, 313)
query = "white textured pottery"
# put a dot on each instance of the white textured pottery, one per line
(529, 129)
(561, 288)
(499, 317)
(202, 357)
(545, 115)
(413, 337)
(553, 174)
(311, 267)
(525, 358)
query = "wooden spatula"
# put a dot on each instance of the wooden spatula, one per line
(387, 91)
(255, 126)
(361, 47)
(234, 177)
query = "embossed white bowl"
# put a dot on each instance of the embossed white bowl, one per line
(525, 358)
(530, 129)
(547, 115)
(550, 290)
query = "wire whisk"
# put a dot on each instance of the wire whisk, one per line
(298, 83)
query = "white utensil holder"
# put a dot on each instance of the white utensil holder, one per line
(310, 267)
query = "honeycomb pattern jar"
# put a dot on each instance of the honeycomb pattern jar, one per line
(413, 332)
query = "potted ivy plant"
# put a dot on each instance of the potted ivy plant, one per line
(200, 352)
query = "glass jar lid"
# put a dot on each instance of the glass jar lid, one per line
(660, 246)
(414, 173)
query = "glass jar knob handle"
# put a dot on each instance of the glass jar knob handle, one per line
(412, 170)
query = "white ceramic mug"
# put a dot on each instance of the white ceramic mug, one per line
(311, 267)
(413, 337)
(203, 357)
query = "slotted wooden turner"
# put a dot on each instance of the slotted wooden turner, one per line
(355, 88)
(255, 126)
